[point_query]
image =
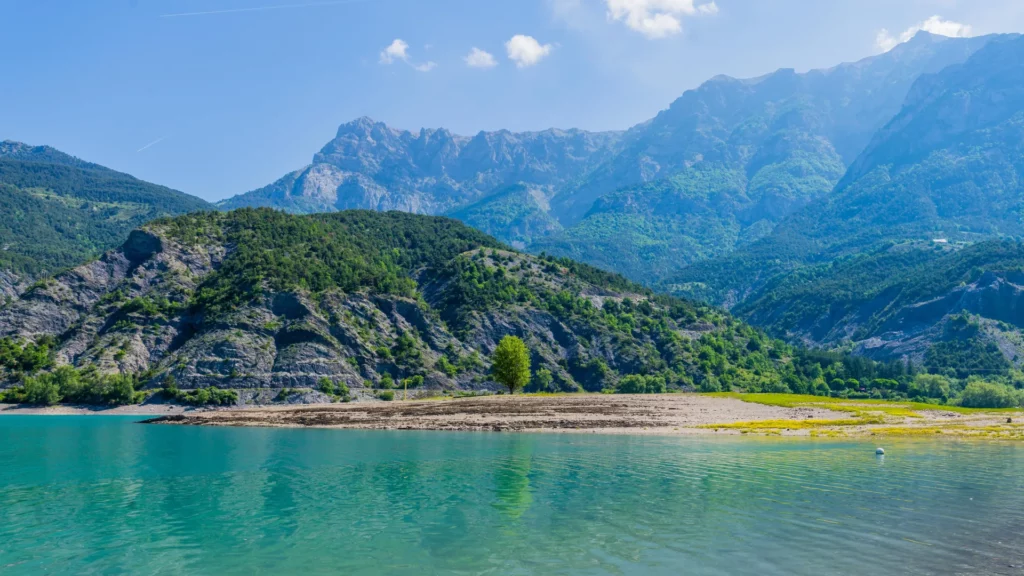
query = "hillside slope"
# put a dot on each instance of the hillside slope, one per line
(726, 162)
(259, 298)
(946, 167)
(939, 305)
(60, 211)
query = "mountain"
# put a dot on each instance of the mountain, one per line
(256, 299)
(877, 265)
(729, 160)
(946, 167)
(61, 211)
(715, 171)
(370, 165)
(518, 213)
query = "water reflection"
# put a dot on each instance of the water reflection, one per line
(99, 495)
(512, 479)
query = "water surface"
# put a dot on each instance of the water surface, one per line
(103, 495)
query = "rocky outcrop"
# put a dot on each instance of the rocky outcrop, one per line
(995, 301)
(11, 285)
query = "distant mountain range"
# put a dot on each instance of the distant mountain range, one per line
(717, 169)
(898, 250)
(874, 207)
(60, 211)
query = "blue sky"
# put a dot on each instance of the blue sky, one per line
(217, 97)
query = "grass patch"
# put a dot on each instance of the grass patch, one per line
(885, 418)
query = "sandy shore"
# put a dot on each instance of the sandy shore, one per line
(658, 414)
(62, 410)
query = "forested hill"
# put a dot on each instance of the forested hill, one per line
(956, 309)
(59, 211)
(259, 299)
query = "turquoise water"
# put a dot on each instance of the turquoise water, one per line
(103, 495)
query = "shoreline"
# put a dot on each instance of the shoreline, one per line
(667, 414)
(78, 410)
(659, 414)
(584, 413)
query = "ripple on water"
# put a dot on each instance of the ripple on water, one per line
(103, 495)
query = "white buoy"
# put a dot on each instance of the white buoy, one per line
(880, 451)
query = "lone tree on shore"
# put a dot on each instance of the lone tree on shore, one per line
(510, 364)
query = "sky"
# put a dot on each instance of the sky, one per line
(218, 97)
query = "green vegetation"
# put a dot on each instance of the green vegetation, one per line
(511, 214)
(878, 418)
(651, 229)
(980, 394)
(72, 386)
(60, 211)
(350, 251)
(338, 391)
(637, 384)
(817, 302)
(211, 396)
(510, 364)
(26, 357)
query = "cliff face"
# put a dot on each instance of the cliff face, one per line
(370, 165)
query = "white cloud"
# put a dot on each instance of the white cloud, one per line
(478, 58)
(936, 25)
(657, 18)
(398, 50)
(526, 51)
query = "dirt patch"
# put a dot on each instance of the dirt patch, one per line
(657, 414)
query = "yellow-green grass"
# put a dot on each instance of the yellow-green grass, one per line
(870, 414)
(891, 407)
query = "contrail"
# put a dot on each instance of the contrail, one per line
(264, 8)
(153, 143)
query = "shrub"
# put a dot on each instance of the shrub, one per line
(542, 381)
(985, 395)
(444, 365)
(42, 391)
(639, 384)
(386, 395)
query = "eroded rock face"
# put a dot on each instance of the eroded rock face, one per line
(995, 301)
(130, 312)
(11, 285)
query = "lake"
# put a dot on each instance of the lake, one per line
(105, 495)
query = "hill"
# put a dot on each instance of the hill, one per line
(257, 299)
(950, 308)
(60, 211)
